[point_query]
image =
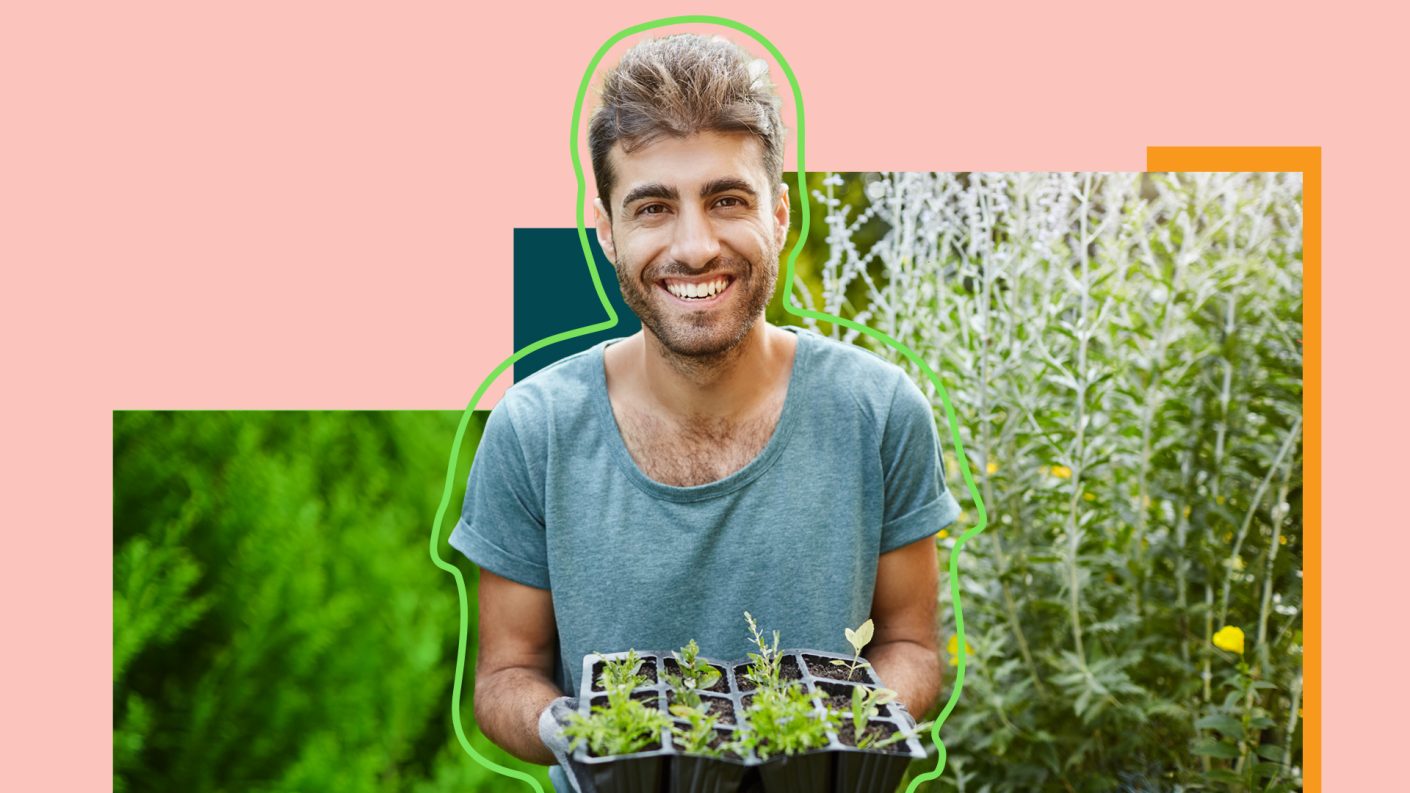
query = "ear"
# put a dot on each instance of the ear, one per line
(604, 230)
(781, 216)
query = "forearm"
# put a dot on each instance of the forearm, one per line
(507, 707)
(912, 670)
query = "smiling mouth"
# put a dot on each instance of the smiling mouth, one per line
(700, 291)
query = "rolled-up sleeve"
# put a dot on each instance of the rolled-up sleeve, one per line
(501, 526)
(918, 504)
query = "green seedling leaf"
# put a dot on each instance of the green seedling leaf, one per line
(861, 636)
(708, 678)
(858, 639)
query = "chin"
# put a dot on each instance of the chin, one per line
(687, 342)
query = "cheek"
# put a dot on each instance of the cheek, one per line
(751, 242)
(642, 246)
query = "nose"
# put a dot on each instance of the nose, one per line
(695, 243)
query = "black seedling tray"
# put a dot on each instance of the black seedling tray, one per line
(839, 768)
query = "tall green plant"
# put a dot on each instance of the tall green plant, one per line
(1123, 354)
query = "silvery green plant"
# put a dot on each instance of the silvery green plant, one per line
(694, 675)
(1123, 354)
(764, 666)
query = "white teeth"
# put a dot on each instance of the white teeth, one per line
(697, 291)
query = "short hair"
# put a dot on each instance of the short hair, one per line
(679, 85)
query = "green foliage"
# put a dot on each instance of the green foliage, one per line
(858, 639)
(1123, 354)
(276, 622)
(697, 734)
(764, 666)
(624, 725)
(621, 674)
(866, 704)
(784, 719)
(695, 674)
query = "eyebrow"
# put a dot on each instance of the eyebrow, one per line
(725, 184)
(652, 190)
(657, 190)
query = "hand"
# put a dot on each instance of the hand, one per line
(920, 731)
(551, 722)
(904, 716)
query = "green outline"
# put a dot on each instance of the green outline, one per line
(611, 322)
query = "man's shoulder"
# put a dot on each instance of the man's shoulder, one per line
(843, 363)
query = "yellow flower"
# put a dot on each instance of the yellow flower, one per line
(953, 648)
(1062, 472)
(1228, 536)
(1219, 500)
(1186, 511)
(1088, 497)
(1238, 563)
(991, 467)
(944, 533)
(1230, 638)
(1282, 539)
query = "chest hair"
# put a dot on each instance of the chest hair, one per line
(695, 452)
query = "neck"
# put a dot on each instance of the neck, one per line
(726, 386)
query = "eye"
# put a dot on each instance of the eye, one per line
(649, 209)
(737, 201)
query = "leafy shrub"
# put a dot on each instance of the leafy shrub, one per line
(276, 623)
(1123, 354)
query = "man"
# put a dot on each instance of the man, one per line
(652, 489)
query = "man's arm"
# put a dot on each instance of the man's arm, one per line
(513, 673)
(905, 648)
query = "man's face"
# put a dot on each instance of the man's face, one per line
(695, 233)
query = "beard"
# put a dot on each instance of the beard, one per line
(697, 338)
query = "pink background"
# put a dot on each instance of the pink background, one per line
(309, 205)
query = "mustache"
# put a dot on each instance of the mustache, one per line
(731, 266)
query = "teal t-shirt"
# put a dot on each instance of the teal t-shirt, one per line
(555, 501)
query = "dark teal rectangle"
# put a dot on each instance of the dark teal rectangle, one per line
(553, 292)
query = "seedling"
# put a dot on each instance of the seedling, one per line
(623, 726)
(622, 672)
(685, 694)
(694, 676)
(858, 639)
(866, 705)
(695, 738)
(764, 665)
(693, 670)
(784, 720)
